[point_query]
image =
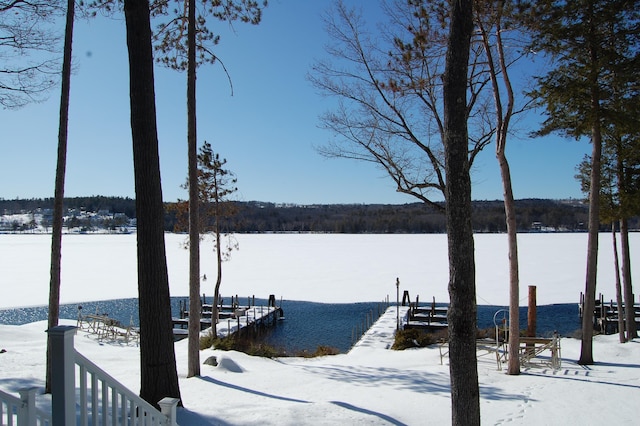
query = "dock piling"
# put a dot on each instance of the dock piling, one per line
(532, 312)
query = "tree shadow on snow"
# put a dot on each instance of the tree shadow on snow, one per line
(416, 381)
(577, 376)
(615, 364)
(384, 417)
(14, 385)
(401, 379)
(186, 417)
(252, 391)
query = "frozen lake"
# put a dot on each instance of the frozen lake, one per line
(329, 268)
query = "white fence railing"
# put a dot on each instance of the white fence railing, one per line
(22, 411)
(102, 400)
(82, 393)
(93, 397)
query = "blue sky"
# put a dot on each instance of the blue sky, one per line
(267, 130)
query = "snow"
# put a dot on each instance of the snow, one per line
(369, 385)
(313, 267)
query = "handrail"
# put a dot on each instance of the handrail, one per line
(9, 406)
(109, 399)
(22, 411)
(111, 402)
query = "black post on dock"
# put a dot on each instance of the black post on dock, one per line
(397, 304)
(433, 307)
(406, 300)
(581, 305)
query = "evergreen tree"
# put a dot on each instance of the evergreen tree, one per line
(215, 185)
(56, 237)
(158, 374)
(591, 42)
(197, 47)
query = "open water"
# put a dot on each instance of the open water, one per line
(308, 325)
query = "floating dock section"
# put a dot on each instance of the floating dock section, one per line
(231, 318)
(431, 317)
(605, 315)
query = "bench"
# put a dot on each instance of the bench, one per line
(529, 352)
(107, 328)
(483, 347)
(532, 347)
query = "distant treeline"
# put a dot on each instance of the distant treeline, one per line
(90, 204)
(253, 216)
(488, 216)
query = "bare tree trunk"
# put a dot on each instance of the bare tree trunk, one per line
(58, 203)
(158, 374)
(194, 220)
(503, 118)
(513, 367)
(632, 331)
(621, 310)
(586, 352)
(216, 290)
(215, 311)
(465, 396)
(218, 261)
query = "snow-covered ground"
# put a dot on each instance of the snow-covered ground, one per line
(368, 385)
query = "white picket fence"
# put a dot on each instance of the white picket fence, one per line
(103, 401)
(83, 394)
(22, 411)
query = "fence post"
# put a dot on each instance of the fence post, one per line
(168, 408)
(63, 381)
(27, 414)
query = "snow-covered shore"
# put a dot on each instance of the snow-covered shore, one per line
(369, 385)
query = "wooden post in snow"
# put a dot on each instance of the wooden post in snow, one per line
(531, 313)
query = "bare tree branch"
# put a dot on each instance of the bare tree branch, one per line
(389, 89)
(28, 49)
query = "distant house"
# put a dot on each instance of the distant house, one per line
(536, 227)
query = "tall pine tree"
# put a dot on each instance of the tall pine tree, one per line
(583, 39)
(465, 393)
(158, 373)
(58, 203)
(186, 53)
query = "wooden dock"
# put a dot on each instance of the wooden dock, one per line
(231, 318)
(605, 315)
(431, 318)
